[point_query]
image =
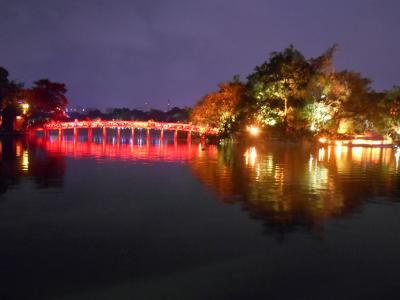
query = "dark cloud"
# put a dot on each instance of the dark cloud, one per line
(122, 53)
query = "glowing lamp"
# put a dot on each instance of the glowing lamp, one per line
(322, 140)
(25, 108)
(253, 130)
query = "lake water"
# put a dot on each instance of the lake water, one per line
(102, 220)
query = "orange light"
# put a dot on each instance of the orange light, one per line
(253, 130)
(25, 108)
(251, 155)
(338, 143)
(358, 142)
(322, 140)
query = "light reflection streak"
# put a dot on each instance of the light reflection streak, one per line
(250, 156)
(128, 151)
(25, 161)
(321, 154)
(291, 186)
(356, 154)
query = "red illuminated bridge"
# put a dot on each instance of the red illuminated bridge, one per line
(132, 125)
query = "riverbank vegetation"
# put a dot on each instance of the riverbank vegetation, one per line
(44, 101)
(290, 96)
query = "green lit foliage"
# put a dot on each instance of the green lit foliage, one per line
(219, 109)
(326, 95)
(268, 116)
(319, 115)
(361, 104)
(389, 107)
(280, 83)
(358, 101)
(292, 90)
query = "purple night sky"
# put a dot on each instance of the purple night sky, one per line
(123, 53)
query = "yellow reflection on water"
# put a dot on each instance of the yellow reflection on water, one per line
(25, 161)
(310, 162)
(318, 176)
(250, 156)
(18, 149)
(397, 156)
(294, 184)
(321, 154)
(357, 154)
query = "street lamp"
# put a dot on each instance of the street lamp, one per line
(253, 130)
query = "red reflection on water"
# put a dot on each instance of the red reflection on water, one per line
(163, 152)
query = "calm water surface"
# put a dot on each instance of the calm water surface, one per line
(101, 220)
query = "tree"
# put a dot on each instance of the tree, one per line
(219, 109)
(9, 94)
(389, 108)
(359, 105)
(280, 82)
(123, 113)
(326, 95)
(47, 100)
(177, 114)
(287, 86)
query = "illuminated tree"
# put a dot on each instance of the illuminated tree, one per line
(219, 109)
(47, 100)
(326, 94)
(280, 82)
(388, 120)
(286, 88)
(361, 105)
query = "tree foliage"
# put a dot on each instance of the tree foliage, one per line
(46, 100)
(280, 82)
(292, 93)
(288, 87)
(219, 109)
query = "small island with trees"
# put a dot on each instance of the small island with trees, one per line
(288, 97)
(292, 98)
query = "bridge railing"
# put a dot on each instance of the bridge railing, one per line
(129, 125)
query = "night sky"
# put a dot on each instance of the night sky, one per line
(123, 53)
